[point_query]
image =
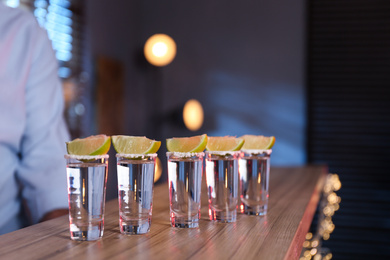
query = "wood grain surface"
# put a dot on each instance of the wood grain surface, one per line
(294, 195)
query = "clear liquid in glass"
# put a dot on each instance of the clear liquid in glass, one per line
(86, 196)
(185, 180)
(254, 179)
(135, 195)
(222, 187)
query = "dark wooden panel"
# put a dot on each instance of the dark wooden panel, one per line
(110, 96)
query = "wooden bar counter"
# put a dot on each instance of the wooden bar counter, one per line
(294, 195)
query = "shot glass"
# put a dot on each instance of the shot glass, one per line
(135, 174)
(254, 166)
(185, 181)
(87, 177)
(222, 185)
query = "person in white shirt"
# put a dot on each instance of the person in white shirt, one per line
(32, 128)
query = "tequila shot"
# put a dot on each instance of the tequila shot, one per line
(254, 168)
(87, 177)
(135, 174)
(185, 180)
(222, 185)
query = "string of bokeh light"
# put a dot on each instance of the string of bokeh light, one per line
(329, 205)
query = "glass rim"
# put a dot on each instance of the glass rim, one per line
(185, 155)
(223, 153)
(257, 151)
(134, 155)
(86, 157)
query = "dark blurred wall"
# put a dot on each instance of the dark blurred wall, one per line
(244, 60)
(349, 118)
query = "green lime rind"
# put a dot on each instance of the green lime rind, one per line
(193, 144)
(104, 148)
(125, 144)
(240, 145)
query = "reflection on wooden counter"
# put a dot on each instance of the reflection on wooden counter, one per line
(294, 195)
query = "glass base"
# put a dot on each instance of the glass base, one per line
(223, 216)
(256, 210)
(136, 227)
(88, 232)
(181, 222)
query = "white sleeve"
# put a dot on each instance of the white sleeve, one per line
(42, 171)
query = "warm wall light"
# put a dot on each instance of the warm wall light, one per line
(193, 115)
(160, 50)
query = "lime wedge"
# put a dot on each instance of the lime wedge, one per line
(134, 144)
(258, 142)
(224, 143)
(92, 145)
(194, 144)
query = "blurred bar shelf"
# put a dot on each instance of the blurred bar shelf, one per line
(294, 197)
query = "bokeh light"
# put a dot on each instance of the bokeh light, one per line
(157, 170)
(193, 115)
(160, 50)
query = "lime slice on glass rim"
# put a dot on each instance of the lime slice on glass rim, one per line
(125, 144)
(258, 142)
(194, 144)
(92, 145)
(224, 143)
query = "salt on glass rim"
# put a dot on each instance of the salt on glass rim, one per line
(223, 152)
(256, 151)
(184, 155)
(134, 155)
(86, 157)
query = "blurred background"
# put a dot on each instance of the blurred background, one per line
(313, 73)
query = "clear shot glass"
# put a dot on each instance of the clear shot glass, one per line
(222, 185)
(254, 167)
(185, 181)
(87, 178)
(135, 174)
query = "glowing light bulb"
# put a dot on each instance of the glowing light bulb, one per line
(193, 115)
(160, 50)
